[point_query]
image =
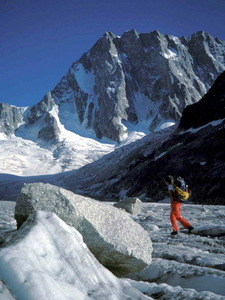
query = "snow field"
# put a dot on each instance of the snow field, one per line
(190, 261)
(189, 267)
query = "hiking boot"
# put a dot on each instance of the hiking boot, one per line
(174, 232)
(190, 228)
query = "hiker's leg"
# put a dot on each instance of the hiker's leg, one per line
(184, 222)
(180, 219)
(173, 215)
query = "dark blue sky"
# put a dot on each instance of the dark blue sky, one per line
(40, 39)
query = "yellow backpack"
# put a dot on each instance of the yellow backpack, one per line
(181, 195)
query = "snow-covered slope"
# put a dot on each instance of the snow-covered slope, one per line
(27, 153)
(25, 158)
(40, 147)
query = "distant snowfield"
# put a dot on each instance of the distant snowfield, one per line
(23, 157)
(23, 154)
(190, 267)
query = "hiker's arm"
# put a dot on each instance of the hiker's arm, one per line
(171, 196)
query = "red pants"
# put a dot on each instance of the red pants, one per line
(175, 216)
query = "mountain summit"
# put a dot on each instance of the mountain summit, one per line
(138, 79)
(136, 82)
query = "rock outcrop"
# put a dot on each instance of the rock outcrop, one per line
(210, 108)
(113, 237)
(10, 118)
(40, 122)
(131, 205)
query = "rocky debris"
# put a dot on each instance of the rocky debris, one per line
(113, 237)
(131, 205)
(10, 118)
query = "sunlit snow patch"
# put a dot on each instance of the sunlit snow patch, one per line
(165, 125)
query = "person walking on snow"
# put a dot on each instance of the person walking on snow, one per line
(175, 208)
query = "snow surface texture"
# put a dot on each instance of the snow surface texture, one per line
(60, 266)
(190, 261)
(113, 237)
(20, 156)
(5, 292)
(23, 157)
(189, 267)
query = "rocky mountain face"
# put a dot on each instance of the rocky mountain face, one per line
(138, 79)
(142, 80)
(10, 118)
(40, 122)
(196, 154)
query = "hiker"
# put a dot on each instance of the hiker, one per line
(175, 208)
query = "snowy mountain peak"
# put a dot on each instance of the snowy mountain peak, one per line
(136, 81)
(121, 89)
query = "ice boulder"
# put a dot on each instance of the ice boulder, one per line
(210, 230)
(48, 259)
(131, 205)
(117, 241)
